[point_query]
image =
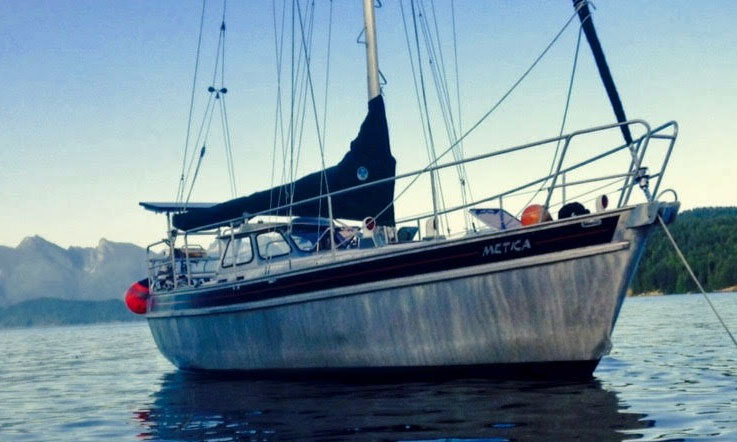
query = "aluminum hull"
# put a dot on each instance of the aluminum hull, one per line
(555, 306)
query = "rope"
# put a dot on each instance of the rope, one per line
(696, 280)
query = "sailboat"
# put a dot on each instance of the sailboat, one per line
(293, 288)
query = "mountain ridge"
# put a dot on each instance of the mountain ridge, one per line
(38, 268)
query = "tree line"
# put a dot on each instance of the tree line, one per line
(708, 238)
(50, 312)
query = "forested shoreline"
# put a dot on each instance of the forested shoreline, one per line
(708, 238)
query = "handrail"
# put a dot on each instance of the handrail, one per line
(427, 169)
(638, 150)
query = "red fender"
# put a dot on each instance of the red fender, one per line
(136, 297)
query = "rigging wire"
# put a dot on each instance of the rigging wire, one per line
(207, 116)
(278, 97)
(196, 172)
(436, 60)
(327, 71)
(428, 142)
(297, 106)
(434, 177)
(219, 94)
(563, 120)
(458, 91)
(461, 170)
(314, 103)
(325, 102)
(414, 73)
(202, 152)
(291, 137)
(224, 117)
(180, 189)
(228, 143)
(215, 94)
(279, 130)
(492, 109)
(440, 86)
(292, 100)
(317, 128)
(514, 86)
(302, 100)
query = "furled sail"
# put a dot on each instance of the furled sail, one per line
(584, 14)
(369, 159)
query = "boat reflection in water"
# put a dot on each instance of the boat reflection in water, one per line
(189, 407)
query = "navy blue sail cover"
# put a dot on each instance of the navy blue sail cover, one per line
(587, 22)
(369, 159)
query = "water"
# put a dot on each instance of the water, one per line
(672, 375)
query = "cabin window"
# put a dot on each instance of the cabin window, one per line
(306, 238)
(271, 245)
(241, 249)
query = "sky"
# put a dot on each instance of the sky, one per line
(94, 98)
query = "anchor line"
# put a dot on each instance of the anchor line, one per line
(696, 280)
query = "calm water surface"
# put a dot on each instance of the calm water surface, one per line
(672, 375)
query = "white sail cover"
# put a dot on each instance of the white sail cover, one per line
(498, 219)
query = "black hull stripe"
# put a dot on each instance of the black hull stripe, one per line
(454, 256)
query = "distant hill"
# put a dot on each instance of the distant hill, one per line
(40, 269)
(48, 311)
(708, 238)
(44, 284)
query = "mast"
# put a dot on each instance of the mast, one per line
(372, 58)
